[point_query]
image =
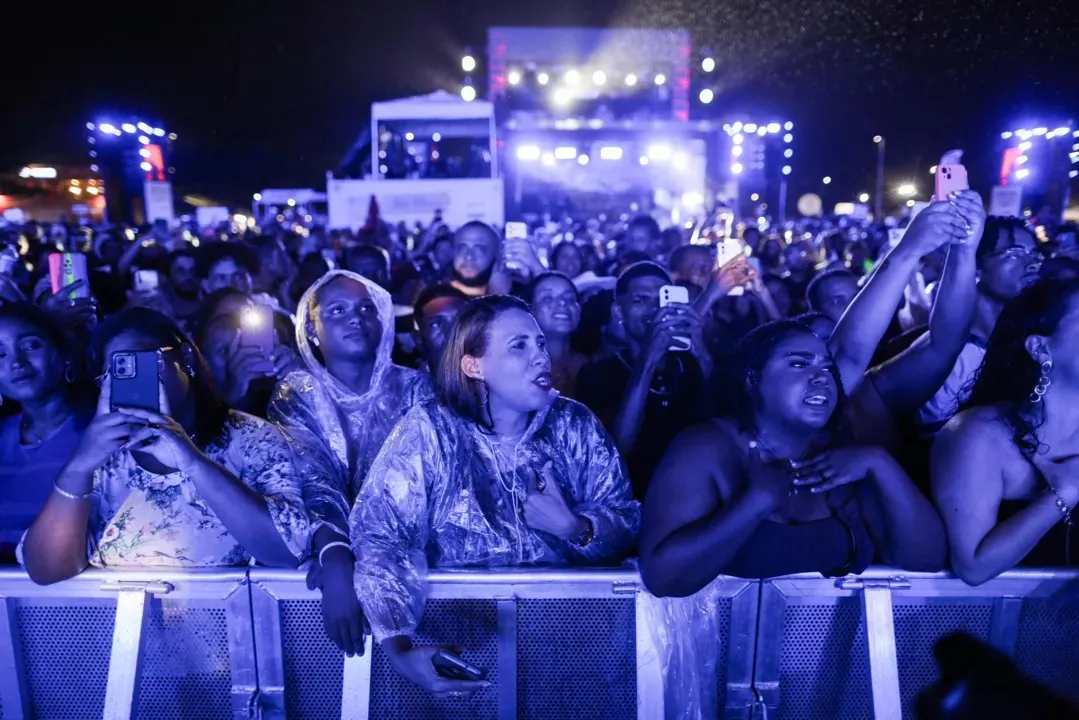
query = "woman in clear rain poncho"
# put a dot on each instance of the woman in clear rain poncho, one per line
(336, 415)
(498, 470)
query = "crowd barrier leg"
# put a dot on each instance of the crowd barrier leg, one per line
(356, 684)
(742, 693)
(242, 653)
(877, 613)
(266, 617)
(14, 696)
(650, 687)
(506, 611)
(771, 608)
(1004, 625)
(128, 638)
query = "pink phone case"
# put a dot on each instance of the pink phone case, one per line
(951, 178)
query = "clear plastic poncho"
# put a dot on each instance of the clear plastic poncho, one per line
(444, 494)
(334, 433)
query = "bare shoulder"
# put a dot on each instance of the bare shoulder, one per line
(974, 450)
(980, 427)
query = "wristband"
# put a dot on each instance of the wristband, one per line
(336, 543)
(71, 496)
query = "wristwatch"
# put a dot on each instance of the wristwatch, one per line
(587, 535)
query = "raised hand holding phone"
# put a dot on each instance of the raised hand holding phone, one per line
(163, 438)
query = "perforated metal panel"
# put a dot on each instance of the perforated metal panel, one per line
(471, 624)
(185, 670)
(313, 664)
(918, 627)
(1048, 645)
(66, 646)
(723, 622)
(824, 662)
(576, 659)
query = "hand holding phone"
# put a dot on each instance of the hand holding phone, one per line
(147, 281)
(951, 176)
(67, 269)
(134, 379)
(451, 667)
(257, 332)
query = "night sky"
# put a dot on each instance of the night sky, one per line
(271, 94)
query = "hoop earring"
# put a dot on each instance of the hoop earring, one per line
(189, 367)
(312, 340)
(1043, 382)
(69, 373)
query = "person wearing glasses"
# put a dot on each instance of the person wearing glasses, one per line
(195, 484)
(1008, 262)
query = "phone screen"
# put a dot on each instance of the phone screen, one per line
(257, 331)
(675, 295)
(516, 231)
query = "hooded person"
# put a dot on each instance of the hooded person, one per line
(336, 414)
(497, 470)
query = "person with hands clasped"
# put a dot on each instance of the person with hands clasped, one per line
(647, 393)
(498, 470)
(189, 484)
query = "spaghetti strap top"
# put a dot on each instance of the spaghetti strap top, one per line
(833, 546)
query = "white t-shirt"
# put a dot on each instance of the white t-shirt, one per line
(945, 404)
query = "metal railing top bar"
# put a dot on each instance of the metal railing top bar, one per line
(192, 584)
(1022, 582)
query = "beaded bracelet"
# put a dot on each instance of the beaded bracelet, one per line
(71, 496)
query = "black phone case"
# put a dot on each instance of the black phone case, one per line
(452, 671)
(140, 391)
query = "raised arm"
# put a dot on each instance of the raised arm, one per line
(968, 487)
(909, 380)
(863, 325)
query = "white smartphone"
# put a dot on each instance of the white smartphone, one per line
(727, 251)
(670, 295)
(516, 231)
(146, 281)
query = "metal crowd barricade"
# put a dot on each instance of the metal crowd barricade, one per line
(557, 643)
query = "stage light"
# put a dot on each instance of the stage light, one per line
(863, 198)
(933, 170)
(610, 153)
(736, 128)
(910, 203)
(144, 152)
(878, 139)
(562, 96)
(543, 78)
(468, 63)
(737, 139)
(706, 96)
(788, 126)
(93, 168)
(1022, 174)
(827, 180)
(788, 153)
(750, 128)
(762, 130)
(1005, 135)
(1039, 131)
(146, 167)
(572, 77)
(409, 137)
(565, 153)
(599, 77)
(257, 197)
(468, 93)
(708, 64)
(786, 169)
(736, 150)
(1022, 159)
(144, 140)
(680, 161)
(528, 152)
(692, 199)
(906, 190)
(582, 159)
(291, 202)
(547, 159)
(661, 79)
(659, 152)
(1024, 146)
(644, 160)
(173, 136)
(158, 132)
(89, 126)
(145, 128)
(107, 129)
(437, 137)
(631, 79)
(736, 168)
(1073, 173)
(128, 128)
(788, 138)
(773, 128)
(514, 77)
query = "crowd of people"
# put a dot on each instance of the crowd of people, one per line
(445, 398)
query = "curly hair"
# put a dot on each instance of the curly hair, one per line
(1008, 373)
(742, 371)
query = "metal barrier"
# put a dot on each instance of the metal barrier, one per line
(557, 643)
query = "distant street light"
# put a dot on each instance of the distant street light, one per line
(827, 180)
(906, 190)
(863, 198)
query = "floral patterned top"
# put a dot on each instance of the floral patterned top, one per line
(141, 519)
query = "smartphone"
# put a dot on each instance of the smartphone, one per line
(146, 281)
(451, 667)
(728, 251)
(516, 231)
(670, 295)
(951, 175)
(134, 378)
(257, 331)
(66, 268)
